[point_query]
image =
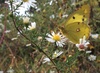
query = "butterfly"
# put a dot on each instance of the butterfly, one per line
(76, 25)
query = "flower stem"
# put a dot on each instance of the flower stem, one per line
(33, 43)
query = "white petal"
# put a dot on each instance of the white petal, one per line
(56, 54)
(33, 24)
(58, 33)
(60, 53)
(59, 44)
(28, 44)
(88, 51)
(92, 57)
(77, 45)
(7, 31)
(53, 33)
(50, 40)
(95, 36)
(14, 38)
(85, 44)
(80, 40)
(46, 60)
(49, 35)
(65, 15)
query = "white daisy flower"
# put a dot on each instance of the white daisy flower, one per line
(83, 44)
(56, 54)
(20, 10)
(25, 6)
(92, 57)
(10, 70)
(58, 38)
(95, 36)
(26, 20)
(29, 3)
(32, 26)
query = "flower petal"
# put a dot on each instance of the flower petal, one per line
(50, 40)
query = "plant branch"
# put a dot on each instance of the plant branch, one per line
(33, 44)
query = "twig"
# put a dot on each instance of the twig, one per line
(32, 43)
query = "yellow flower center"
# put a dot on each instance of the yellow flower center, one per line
(56, 37)
(26, 20)
(31, 28)
(25, 0)
(54, 55)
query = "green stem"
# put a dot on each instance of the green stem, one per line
(33, 43)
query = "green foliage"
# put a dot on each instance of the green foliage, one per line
(16, 55)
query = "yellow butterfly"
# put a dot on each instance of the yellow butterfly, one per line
(76, 25)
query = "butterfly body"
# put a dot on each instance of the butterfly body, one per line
(76, 25)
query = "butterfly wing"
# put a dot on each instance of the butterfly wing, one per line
(75, 31)
(75, 27)
(81, 15)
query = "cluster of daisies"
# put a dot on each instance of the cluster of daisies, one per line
(21, 7)
(31, 26)
(57, 38)
(60, 41)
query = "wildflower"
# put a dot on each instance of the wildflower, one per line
(29, 3)
(58, 38)
(7, 31)
(25, 0)
(26, 20)
(39, 38)
(14, 38)
(52, 16)
(32, 26)
(83, 44)
(69, 55)
(88, 51)
(51, 71)
(24, 6)
(1, 15)
(51, 2)
(45, 60)
(56, 54)
(30, 71)
(10, 70)
(65, 15)
(28, 44)
(92, 57)
(73, 2)
(95, 36)
(1, 71)
(20, 10)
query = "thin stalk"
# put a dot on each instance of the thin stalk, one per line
(33, 44)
